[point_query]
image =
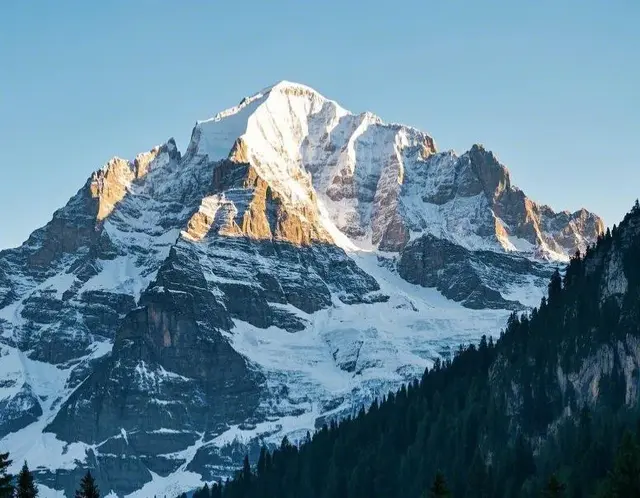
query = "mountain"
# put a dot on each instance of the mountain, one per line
(550, 409)
(294, 264)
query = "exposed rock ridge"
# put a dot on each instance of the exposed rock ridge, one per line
(245, 204)
(215, 287)
(380, 183)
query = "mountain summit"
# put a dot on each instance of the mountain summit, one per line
(382, 184)
(296, 262)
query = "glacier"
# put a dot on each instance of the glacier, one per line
(297, 262)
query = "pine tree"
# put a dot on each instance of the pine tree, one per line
(477, 477)
(246, 470)
(6, 486)
(554, 488)
(395, 446)
(555, 287)
(625, 479)
(88, 488)
(26, 487)
(216, 490)
(262, 462)
(439, 487)
(203, 492)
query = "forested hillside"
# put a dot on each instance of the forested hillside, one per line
(543, 409)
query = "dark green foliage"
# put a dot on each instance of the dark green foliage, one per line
(203, 492)
(6, 479)
(439, 487)
(554, 488)
(493, 418)
(555, 287)
(624, 479)
(88, 488)
(246, 471)
(216, 491)
(26, 488)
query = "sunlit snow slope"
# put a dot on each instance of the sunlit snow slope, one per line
(297, 262)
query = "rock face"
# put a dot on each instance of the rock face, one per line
(589, 365)
(297, 261)
(474, 278)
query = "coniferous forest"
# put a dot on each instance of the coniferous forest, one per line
(549, 409)
(23, 485)
(502, 419)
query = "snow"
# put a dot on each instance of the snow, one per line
(166, 431)
(153, 377)
(170, 486)
(118, 275)
(274, 125)
(47, 492)
(357, 174)
(316, 153)
(517, 244)
(41, 450)
(530, 294)
(59, 283)
(176, 483)
(49, 384)
(271, 431)
(388, 343)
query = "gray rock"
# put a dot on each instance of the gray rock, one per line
(18, 411)
(163, 257)
(469, 277)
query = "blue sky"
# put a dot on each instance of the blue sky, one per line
(551, 87)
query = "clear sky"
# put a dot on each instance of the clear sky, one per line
(552, 87)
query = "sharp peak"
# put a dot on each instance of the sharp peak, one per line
(286, 87)
(282, 87)
(292, 87)
(479, 149)
(287, 84)
(170, 147)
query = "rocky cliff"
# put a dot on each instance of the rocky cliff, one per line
(297, 261)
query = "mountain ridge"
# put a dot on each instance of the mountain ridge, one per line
(545, 410)
(277, 245)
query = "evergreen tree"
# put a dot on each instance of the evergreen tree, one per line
(6, 486)
(460, 416)
(624, 480)
(555, 287)
(262, 462)
(26, 488)
(203, 492)
(216, 491)
(88, 488)
(206, 493)
(246, 476)
(477, 478)
(246, 470)
(554, 488)
(439, 487)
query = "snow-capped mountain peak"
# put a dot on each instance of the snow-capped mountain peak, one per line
(382, 184)
(297, 261)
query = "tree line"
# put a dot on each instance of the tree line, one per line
(494, 421)
(23, 485)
